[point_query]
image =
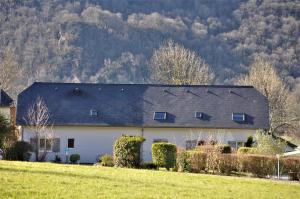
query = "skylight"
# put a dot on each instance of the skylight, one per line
(160, 115)
(239, 117)
(93, 113)
(198, 115)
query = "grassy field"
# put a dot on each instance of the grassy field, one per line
(46, 180)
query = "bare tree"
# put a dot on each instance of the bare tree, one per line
(174, 64)
(38, 120)
(263, 76)
(9, 70)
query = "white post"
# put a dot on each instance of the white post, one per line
(278, 174)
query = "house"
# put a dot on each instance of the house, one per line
(7, 107)
(88, 118)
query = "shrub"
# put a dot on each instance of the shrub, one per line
(268, 145)
(244, 150)
(19, 151)
(149, 165)
(57, 159)
(227, 163)
(292, 165)
(258, 165)
(224, 148)
(249, 142)
(182, 161)
(74, 158)
(197, 161)
(127, 151)
(107, 161)
(164, 155)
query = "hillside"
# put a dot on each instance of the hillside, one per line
(112, 41)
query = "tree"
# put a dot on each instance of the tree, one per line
(268, 145)
(9, 71)
(4, 129)
(263, 76)
(38, 121)
(173, 64)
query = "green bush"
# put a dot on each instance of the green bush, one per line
(182, 161)
(227, 163)
(107, 161)
(245, 150)
(19, 151)
(258, 165)
(292, 165)
(149, 165)
(224, 148)
(127, 151)
(164, 155)
(197, 161)
(74, 158)
(249, 142)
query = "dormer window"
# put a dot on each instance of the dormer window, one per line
(198, 115)
(238, 117)
(160, 115)
(93, 113)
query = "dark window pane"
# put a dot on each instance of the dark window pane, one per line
(71, 143)
(198, 114)
(160, 115)
(238, 117)
(42, 144)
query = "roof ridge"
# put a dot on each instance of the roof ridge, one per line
(154, 85)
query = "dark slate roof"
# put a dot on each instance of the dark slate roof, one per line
(5, 99)
(134, 105)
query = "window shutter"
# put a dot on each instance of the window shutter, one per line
(33, 144)
(56, 145)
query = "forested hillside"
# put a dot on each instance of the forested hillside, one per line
(112, 41)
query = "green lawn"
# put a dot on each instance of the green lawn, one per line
(46, 180)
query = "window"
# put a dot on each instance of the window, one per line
(239, 117)
(190, 144)
(236, 144)
(71, 143)
(160, 116)
(198, 115)
(93, 113)
(159, 140)
(45, 144)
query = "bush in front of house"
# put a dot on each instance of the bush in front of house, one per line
(74, 158)
(259, 165)
(197, 161)
(127, 151)
(182, 161)
(149, 165)
(106, 161)
(223, 148)
(245, 150)
(292, 167)
(19, 151)
(164, 155)
(227, 163)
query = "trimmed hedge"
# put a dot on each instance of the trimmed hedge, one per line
(164, 155)
(74, 158)
(127, 151)
(198, 161)
(106, 161)
(227, 163)
(259, 165)
(292, 166)
(245, 150)
(223, 148)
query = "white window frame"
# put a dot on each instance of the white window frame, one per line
(45, 145)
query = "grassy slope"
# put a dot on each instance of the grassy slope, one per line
(46, 180)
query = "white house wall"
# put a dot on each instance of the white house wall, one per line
(90, 142)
